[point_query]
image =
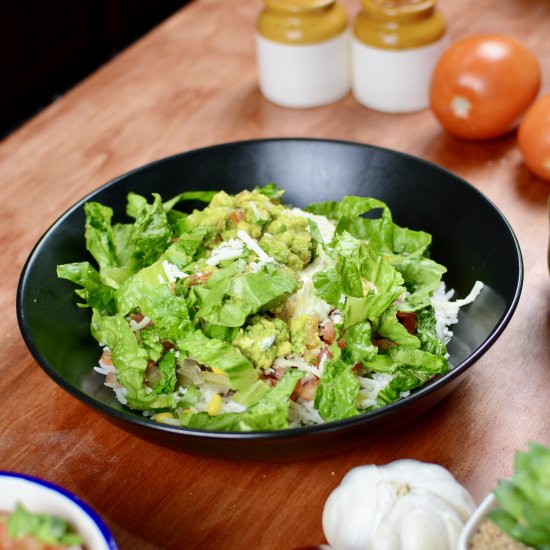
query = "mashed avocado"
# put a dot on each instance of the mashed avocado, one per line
(263, 340)
(288, 240)
(304, 334)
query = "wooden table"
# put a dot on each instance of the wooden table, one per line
(193, 82)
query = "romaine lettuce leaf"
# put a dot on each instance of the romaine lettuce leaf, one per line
(411, 368)
(130, 360)
(422, 277)
(358, 344)
(150, 340)
(95, 293)
(167, 367)
(327, 287)
(100, 238)
(399, 356)
(393, 330)
(151, 234)
(135, 204)
(269, 413)
(427, 334)
(382, 234)
(218, 354)
(336, 394)
(149, 292)
(123, 249)
(367, 283)
(408, 242)
(233, 299)
(406, 378)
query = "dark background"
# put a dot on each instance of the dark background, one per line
(47, 47)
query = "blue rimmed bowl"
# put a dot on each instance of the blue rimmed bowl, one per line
(41, 496)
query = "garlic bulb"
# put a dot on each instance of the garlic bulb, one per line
(404, 505)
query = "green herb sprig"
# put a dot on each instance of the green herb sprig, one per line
(524, 500)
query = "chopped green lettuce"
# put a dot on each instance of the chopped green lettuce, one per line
(199, 310)
(234, 299)
(218, 354)
(94, 292)
(365, 284)
(48, 529)
(393, 330)
(269, 413)
(410, 368)
(130, 359)
(336, 395)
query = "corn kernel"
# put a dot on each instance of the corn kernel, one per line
(161, 417)
(214, 405)
(216, 370)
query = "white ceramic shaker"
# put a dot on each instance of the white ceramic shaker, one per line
(395, 46)
(303, 52)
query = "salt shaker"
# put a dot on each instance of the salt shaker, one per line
(395, 46)
(303, 52)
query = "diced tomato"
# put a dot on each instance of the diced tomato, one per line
(357, 368)
(328, 332)
(305, 390)
(383, 343)
(137, 317)
(325, 352)
(236, 215)
(409, 320)
(167, 345)
(198, 278)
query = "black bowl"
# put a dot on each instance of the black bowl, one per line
(470, 237)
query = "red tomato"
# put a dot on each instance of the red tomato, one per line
(534, 138)
(482, 85)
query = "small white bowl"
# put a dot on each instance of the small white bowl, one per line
(476, 519)
(42, 496)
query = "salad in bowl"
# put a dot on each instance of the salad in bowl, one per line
(253, 315)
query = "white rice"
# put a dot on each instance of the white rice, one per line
(370, 387)
(120, 392)
(298, 363)
(105, 369)
(302, 413)
(142, 324)
(207, 393)
(446, 312)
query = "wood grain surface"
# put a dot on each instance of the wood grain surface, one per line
(192, 82)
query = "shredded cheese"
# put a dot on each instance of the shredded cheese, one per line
(173, 273)
(253, 245)
(228, 250)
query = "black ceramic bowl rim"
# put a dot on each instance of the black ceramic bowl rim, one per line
(297, 432)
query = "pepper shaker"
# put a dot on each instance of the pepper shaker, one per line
(303, 52)
(395, 46)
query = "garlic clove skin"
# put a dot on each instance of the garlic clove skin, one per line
(404, 505)
(425, 523)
